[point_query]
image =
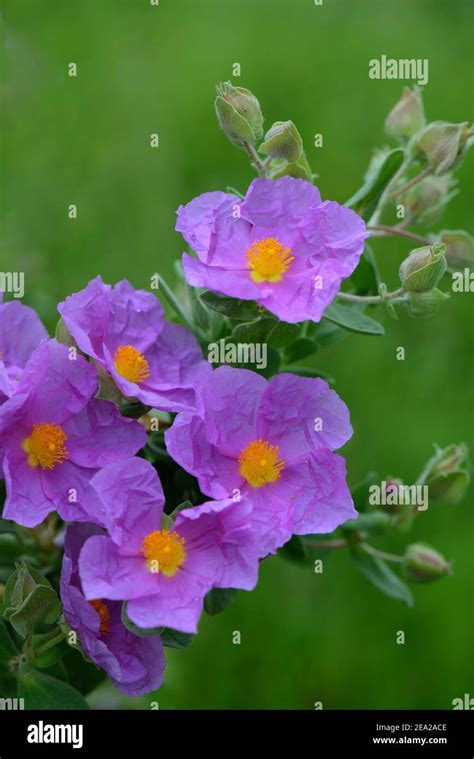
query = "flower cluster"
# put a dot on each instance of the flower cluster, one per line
(262, 450)
(98, 425)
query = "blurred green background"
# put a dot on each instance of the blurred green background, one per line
(86, 140)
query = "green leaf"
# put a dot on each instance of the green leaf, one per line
(53, 655)
(219, 599)
(379, 573)
(42, 604)
(365, 200)
(168, 293)
(200, 314)
(325, 333)
(352, 319)
(299, 349)
(41, 691)
(29, 598)
(266, 330)
(176, 639)
(371, 522)
(133, 409)
(244, 310)
(142, 632)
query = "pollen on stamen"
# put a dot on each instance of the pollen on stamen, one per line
(260, 463)
(268, 260)
(131, 364)
(165, 552)
(46, 446)
(104, 615)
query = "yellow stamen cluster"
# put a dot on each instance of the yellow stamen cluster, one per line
(164, 551)
(268, 260)
(260, 463)
(104, 614)
(46, 446)
(131, 364)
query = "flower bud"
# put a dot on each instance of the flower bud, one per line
(426, 304)
(425, 202)
(239, 114)
(459, 248)
(300, 169)
(444, 145)
(407, 117)
(29, 598)
(282, 141)
(423, 564)
(447, 474)
(63, 335)
(423, 268)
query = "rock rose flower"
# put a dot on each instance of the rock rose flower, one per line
(271, 443)
(281, 246)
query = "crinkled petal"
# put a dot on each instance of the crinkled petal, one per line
(132, 499)
(86, 315)
(186, 443)
(282, 201)
(231, 401)
(21, 331)
(322, 499)
(234, 283)
(196, 219)
(105, 573)
(337, 233)
(59, 384)
(229, 522)
(26, 503)
(300, 415)
(99, 435)
(158, 611)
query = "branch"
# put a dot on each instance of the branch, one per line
(395, 296)
(252, 154)
(412, 182)
(400, 232)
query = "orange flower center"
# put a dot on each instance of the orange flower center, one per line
(131, 364)
(164, 551)
(260, 463)
(268, 260)
(46, 446)
(104, 615)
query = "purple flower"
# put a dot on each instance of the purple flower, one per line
(54, 435)
(21, 331)
(164, 570)
(270, 442)
(124, 330)
(134, 664)
(281, 246)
